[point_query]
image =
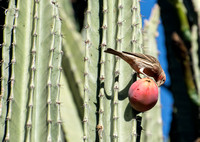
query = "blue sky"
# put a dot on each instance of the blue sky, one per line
(166, 96)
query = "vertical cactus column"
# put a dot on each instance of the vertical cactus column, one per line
(5, 78)
(72, 78)
(137, 39)
(73, 132)
(53, 98)
(33, 101)
(195, 61)
(152, 118)
(47, 59)
(194, 46)
(106, 106)
(196, 6)
(101, 123)
(73, 64)
(18, 97)
(90, 73)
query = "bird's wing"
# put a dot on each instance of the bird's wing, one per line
(147, 61)
(143, 56)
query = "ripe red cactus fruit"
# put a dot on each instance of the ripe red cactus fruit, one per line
(143, 94)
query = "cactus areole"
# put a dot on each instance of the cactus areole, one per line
(143, 94)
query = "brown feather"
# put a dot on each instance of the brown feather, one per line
(143, 56)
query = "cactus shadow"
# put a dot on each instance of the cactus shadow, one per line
(130, 113)
(123, 94)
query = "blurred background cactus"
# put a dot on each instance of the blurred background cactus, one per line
(181, 23)
(58, 84)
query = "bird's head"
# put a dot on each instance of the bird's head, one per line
(161, 79)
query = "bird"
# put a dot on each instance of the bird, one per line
(144, 64)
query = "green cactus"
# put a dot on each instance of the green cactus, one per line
(71, 123)
(73, 64)
(182, 17)
(34, 104)
(195, 60)
(39, 102)
(8, 27)
(72, 79)
(106, 106)
(196, 5)
(194, 46)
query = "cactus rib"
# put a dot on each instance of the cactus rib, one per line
(100, 126)
(136, 25)
(33, 70)
(194, 52)
(5, 65)
(16, 117)
(90, 73)
(117, 73)
(72, 61)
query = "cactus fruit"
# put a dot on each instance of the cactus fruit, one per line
(143, 94)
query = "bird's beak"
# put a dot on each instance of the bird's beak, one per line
(159, 83)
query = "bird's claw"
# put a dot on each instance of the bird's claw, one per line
(142, 71)
(138, 75)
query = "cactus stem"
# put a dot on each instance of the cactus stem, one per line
(12, 78)
(33, 69)
(195, 61)
(136, 26)
(116, 87)
(55, 50)
(86, 59)
(197, 10)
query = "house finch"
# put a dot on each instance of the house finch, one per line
(142, 64)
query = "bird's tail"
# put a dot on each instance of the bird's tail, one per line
(114, 52)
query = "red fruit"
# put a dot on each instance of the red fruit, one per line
(143, 94)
